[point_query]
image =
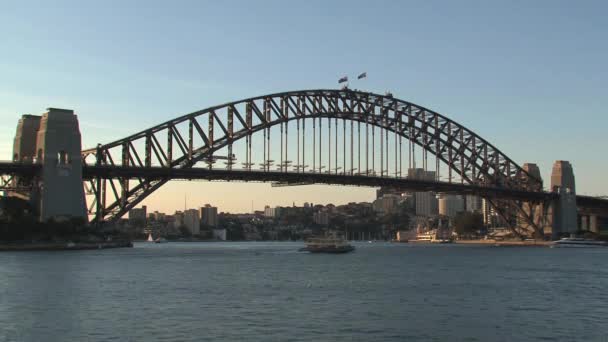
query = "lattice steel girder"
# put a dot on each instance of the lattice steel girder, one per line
(521, 214)
(470, 156)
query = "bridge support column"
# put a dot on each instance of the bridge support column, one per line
(564, 218)
(58, 148)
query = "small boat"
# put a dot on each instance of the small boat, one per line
(150, 239)
(572, 242)
(327, 245)
(160, 240)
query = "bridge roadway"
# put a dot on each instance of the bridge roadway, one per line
(108, 172)
(114, 172)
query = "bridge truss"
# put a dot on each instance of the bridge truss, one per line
(308, 135)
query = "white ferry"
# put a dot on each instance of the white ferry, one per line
(578, 242)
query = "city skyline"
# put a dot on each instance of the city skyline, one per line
(513, 97)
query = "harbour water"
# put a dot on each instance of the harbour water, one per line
(263, 291)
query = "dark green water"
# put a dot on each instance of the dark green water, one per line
(270, 292)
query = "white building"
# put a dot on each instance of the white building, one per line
(271, 212)
(192, 222)
(490, 217)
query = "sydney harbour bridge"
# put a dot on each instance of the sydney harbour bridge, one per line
(341, 137)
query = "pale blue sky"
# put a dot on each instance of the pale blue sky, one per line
(529, 76)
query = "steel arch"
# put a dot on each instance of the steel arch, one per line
(471, 157)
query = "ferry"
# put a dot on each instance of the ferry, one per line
(424, 237)
(327, 245)
(432, 237)
(578, 242)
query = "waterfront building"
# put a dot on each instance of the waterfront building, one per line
(472, 203)
(450, 205)
(271, 212)
(192, 222)
(321, 217)
(157, 216)
(387, 204)
(491, 218)
(208, 215)
(425, 202)
(178, 219)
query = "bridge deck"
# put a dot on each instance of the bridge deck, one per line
(90, 172)
(22, 169)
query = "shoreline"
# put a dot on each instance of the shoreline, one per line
(506, 243)
(63, 246)
(494, 243)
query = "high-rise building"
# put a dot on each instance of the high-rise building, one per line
(450, 205)
(192, 222)
(426, 202)
(386, 204)
(208, 216)
(491, 218)
(472, 203)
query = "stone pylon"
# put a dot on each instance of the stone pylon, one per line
(24, 151)
(564, 211)
(24, 144)
(58, 146)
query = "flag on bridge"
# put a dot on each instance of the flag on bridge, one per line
(363, 75)
(343, 79)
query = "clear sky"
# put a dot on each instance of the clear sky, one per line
(529, 76)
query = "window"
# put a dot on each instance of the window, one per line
(63, 158)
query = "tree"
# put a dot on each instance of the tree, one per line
(184, 230)
(466, 223)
